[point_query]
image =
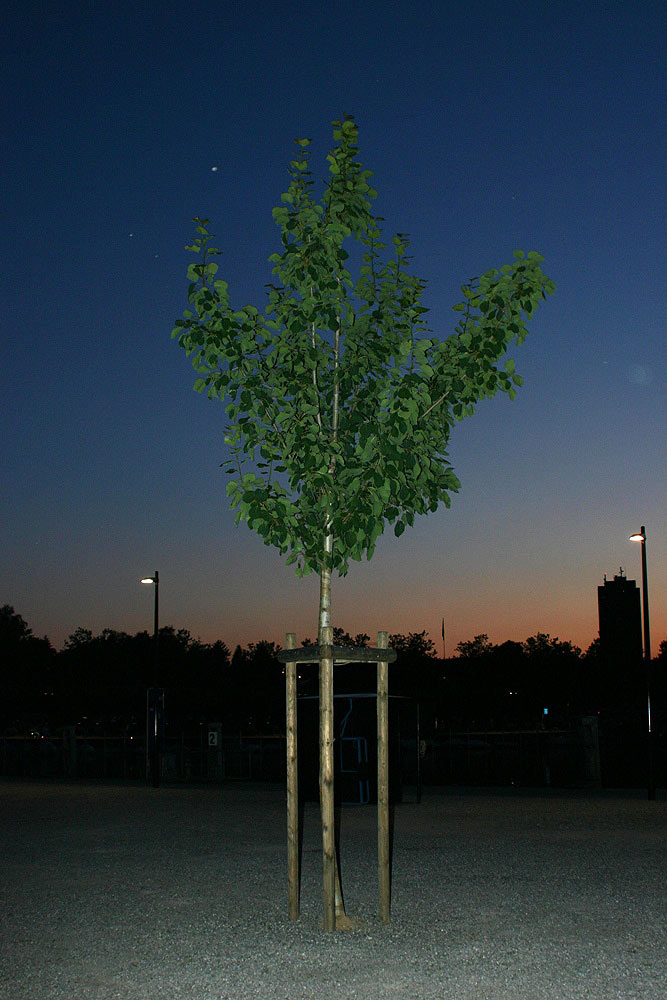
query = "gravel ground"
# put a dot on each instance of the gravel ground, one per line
(116, 891)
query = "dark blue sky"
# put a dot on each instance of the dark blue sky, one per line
(488, 126)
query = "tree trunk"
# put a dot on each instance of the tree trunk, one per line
(334, 909)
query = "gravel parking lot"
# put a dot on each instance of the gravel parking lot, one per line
(180, 893)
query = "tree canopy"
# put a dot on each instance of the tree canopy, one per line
(339, 403)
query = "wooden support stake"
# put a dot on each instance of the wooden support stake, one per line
(292, 784)
(327, 778)
(383, 781)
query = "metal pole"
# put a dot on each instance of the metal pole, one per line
(419, 756)
(383, 781)
(647, 632)
(292, 784)
(156, 741)
(647, 664)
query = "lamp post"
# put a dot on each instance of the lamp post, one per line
(155, 759)
(640, 536)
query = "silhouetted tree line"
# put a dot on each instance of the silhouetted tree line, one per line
(100, 681)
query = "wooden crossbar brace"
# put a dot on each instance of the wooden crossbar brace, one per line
(339, 654)
(327, 655)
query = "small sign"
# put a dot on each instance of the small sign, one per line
(212, 738)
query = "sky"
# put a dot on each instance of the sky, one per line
(489, 126)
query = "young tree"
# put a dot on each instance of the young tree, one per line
(339, 404)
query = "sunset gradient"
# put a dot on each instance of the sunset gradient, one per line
(489, 127)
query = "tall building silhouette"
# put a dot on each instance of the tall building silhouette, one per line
(620, 622)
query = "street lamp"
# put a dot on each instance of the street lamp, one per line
(155, 761)
(640, 536)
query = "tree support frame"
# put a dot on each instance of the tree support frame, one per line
(327, 656)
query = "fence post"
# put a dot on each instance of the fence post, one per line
(383, 781)
(590, 742)
(69, 752)
(292, 783)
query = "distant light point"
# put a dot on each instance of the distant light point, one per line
(639, 374)
(214, 169)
